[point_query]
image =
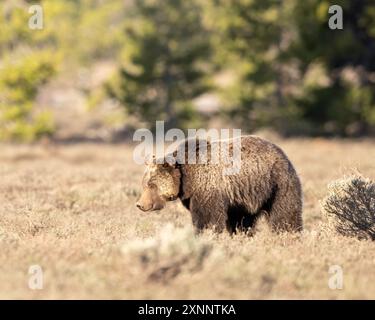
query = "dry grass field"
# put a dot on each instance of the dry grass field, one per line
(71, 210)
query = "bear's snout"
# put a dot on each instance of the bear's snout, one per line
(153, 207)
(139, 206)
(150, 201)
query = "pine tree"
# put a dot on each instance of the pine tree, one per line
(165, 59)
(255, 37)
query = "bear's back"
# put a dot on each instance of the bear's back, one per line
(258, 157)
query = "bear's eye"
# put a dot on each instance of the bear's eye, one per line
(151, 185)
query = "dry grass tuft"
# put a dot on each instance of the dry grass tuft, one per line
(350, 206)
(169, 253)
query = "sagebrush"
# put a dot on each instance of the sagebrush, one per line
(350, 206)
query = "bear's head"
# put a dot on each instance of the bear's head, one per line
(161, 183)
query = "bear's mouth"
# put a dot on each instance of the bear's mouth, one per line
(157, 207)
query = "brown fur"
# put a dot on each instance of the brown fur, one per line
(267, 185)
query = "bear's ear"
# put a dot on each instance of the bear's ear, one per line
(150, 159)
(165, 164)
(168, 164)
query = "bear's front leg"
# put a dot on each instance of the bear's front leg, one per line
(208, 213)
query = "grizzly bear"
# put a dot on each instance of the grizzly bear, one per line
(266, 184)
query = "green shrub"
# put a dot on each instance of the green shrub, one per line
(20, 79)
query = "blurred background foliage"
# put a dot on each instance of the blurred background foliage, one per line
(235, 63)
